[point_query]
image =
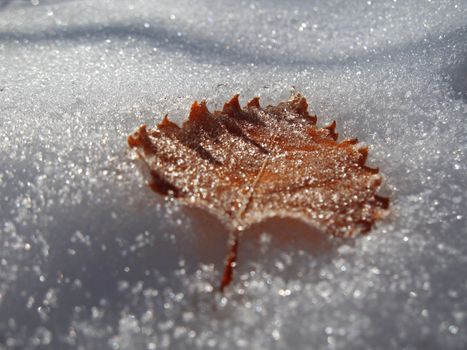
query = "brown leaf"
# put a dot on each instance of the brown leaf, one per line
(246, 165)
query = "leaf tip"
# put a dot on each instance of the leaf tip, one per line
(232, 107)
(348, 142)
(140, 138)
(134, 140)
(332, 130)
(198, 111)
(382, 201)
(166, 123)
(363, 155)
(253, 103)
(300, 106)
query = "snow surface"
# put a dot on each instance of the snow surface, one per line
(92, 259)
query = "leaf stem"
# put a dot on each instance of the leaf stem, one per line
(231, 260)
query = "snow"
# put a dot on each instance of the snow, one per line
(92, 259)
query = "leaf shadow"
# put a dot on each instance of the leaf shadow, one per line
(85, 276)
(265, 246)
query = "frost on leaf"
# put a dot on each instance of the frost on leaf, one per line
(248, 164)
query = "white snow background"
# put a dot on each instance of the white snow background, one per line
(90, 258)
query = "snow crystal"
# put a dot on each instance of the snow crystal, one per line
(92, 259)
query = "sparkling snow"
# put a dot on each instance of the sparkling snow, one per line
(92, 259)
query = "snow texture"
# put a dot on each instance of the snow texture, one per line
(92, 259)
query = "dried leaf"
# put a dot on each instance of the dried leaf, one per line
(246, 165)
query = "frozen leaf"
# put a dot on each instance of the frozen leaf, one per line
(246, 165)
